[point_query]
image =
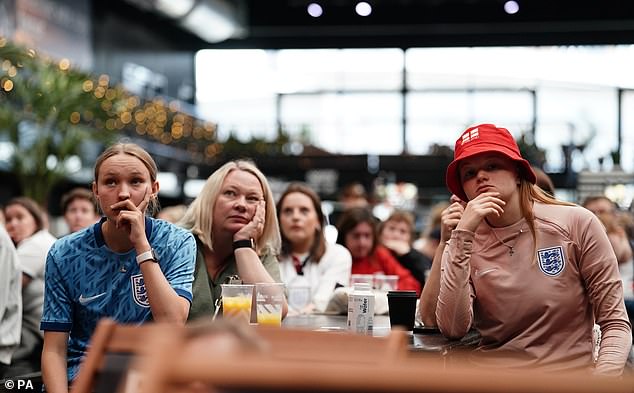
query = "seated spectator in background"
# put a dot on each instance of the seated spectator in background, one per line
(235, 225)
(449, 218)
(353, 195)
(609, 215)
(532, 274)
(430, 237)
(544, 181)
(10, 302)
(358, 233)
(306, 255)
(25, 225)
(79, 209)
(172, 214)
(395, 233)
(128, 266)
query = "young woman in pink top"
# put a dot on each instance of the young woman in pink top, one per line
(530, 273)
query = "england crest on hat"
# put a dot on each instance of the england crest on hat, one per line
(551, 260)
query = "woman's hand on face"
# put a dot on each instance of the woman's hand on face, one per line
(450, 217)
(485, 204)
(400, 247)
(132, 217)
(254, 228)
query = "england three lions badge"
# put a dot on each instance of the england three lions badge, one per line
(551, 260)
(138, 291)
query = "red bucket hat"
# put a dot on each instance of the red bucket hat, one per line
(484, 138)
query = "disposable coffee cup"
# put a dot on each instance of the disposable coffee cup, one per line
(402, 308)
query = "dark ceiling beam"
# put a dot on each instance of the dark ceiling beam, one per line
(281, 24)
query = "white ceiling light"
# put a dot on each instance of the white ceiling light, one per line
(363, 9)
(315, 10)
(174, 9)
(213, 21)
(511, 7)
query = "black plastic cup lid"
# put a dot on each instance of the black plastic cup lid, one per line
(402, 293)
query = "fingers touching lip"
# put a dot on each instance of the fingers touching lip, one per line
(483, 188)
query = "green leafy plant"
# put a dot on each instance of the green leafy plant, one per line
(47, 110)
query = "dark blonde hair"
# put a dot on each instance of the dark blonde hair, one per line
(318, 247)
(134, 150)
(400, 216)
(530, 193)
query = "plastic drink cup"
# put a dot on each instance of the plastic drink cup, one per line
(402, 307)
(362, 278)
(236, 301)
(269, 298)
(299, 294)
(298, 297)
(385, 283)
(269, 319)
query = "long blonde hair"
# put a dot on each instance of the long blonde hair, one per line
(199, 216)
(530, 193)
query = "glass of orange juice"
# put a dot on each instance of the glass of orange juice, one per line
(270, 298)
(236, 301)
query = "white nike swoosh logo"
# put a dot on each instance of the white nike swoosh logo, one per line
(480, 273)
(85, 300)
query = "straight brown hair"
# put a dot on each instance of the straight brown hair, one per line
(318, 248)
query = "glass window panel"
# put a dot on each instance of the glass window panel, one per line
(224, 75)
(337, 69)
(520, 66)
(578, 116)
(235, 89)
(463, 67)
(438, 118)
(627, 150)
(245, 118)
(346, 123)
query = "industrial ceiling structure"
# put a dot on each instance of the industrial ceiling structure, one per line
(163, 35)
(384, 23)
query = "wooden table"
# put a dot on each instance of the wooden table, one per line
(420, 343)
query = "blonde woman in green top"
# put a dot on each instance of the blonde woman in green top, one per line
(236, 229)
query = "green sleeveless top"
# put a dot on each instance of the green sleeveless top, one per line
(206, 289)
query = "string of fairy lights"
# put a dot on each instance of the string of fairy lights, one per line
(156, 119)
